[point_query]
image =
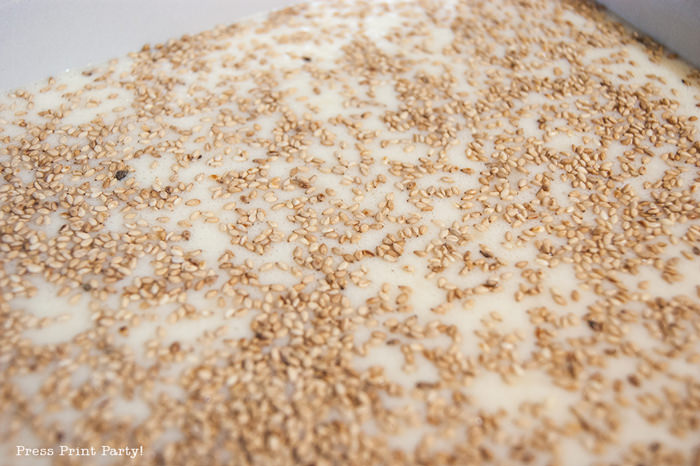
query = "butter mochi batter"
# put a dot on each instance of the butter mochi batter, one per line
(352, 232)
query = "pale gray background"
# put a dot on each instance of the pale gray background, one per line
(39, 38)
(674, 23)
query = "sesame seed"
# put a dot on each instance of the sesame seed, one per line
(455, 233)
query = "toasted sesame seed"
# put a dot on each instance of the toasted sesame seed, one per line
(386, 242)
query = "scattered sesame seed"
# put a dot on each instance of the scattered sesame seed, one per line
(364, 256)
